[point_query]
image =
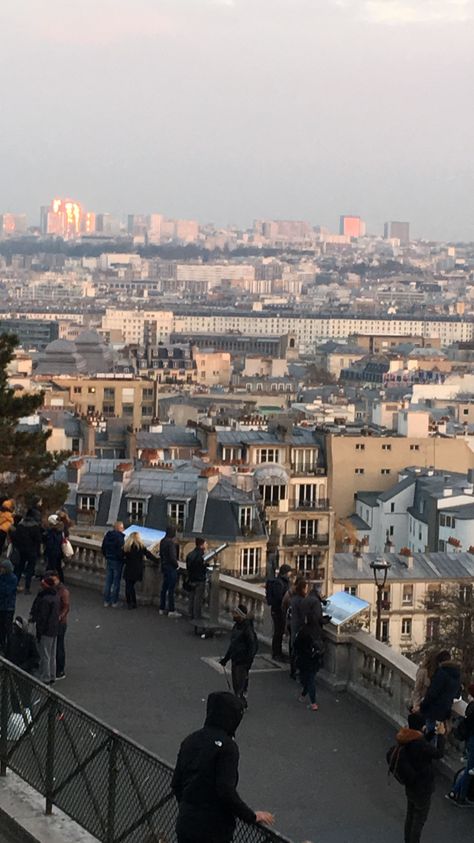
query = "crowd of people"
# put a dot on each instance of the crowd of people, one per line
(208, 759)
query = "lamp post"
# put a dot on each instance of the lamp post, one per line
(380, 569)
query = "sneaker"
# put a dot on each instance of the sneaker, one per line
(60, 676)
(451, 796)
(162, 612)
(107, 605)
(115, 605)
(174, 614)
(471, 772)
(313, 707)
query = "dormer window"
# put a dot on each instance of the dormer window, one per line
(87, 502)
(245, 516)
(137, 508)
(177, 514)
(268, 455)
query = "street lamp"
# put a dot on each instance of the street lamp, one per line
(380, 569)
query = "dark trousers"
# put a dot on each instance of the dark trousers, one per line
(240, 679)
(170, 578)
(417, 813)
(130, 593)
(278, 632)
(6, 623)
(196, 599)
(60, 650)
(26, 565)
(308, 683)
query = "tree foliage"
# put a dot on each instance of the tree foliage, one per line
(25, 463)
(454, 606)
(317, 376)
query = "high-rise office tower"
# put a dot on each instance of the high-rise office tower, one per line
(351, 226)
(397, 231)
(63, 218)
(11, 224)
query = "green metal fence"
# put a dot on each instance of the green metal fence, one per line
(108, 784)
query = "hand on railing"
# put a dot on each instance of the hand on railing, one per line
(265, 817)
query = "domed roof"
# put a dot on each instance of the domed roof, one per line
(91, 337)
(61, 347)
(60, 357)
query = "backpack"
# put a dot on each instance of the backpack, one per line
(399, 765)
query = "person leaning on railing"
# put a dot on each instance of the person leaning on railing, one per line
(206, 776)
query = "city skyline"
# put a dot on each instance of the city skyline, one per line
(227, 110)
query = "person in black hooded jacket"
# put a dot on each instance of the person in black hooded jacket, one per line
(241, 651)
(206, 777)
(444, 688)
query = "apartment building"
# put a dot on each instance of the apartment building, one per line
(424, 511)
(409, 605)
(197, 500)
(362, 463)
(133, 399)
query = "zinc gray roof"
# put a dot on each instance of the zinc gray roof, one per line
(396, 489)
(358, 522)
(369, 498)
(426, 566)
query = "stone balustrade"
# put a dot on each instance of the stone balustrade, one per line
(353, 661)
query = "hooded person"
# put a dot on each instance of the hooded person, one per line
(241, 651)
(415, 758)
(7, 509)
(206, 777)
(8, 584)
(444, 688)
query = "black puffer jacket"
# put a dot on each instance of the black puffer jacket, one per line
(313, 612)
(26, 537)
(206, 776)
(445, 687)
(243, 643)
(45, 613)
(195, 565)
(135, 561)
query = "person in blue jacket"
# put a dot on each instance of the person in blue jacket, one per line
(53, 546)
(8, 584)
(112, 548)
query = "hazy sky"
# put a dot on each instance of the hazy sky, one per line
(230, 110)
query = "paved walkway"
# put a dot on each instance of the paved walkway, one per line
(323, 774)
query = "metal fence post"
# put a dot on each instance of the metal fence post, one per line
(4, 712)
(112, 790)
(50, 750)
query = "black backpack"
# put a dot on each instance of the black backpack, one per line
(399, 766)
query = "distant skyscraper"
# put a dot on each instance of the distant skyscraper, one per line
(11, 224)
(63, 218)
(397, 231)
(351, 226)
(107, 224)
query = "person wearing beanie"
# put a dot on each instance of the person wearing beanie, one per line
(415, 762)
(275, 590)
(459, 794)
(241, 651)
(8, 584)
(44, 614)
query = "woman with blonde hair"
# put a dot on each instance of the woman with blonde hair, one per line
(423, 678)
(134, 555)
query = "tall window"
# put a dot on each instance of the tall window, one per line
(177, 514)
(385, 630)
(308, 529)
(250, 561)
(406, 627)
(245, 516)
(307, 494)
(407, 595)
(309, 562)
(272, 494)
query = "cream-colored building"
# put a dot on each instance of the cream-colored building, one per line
(372, 463)
(134, 399)
(266, 367)
(409, 611)
(213, 368)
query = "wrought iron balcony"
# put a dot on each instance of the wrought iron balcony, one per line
(319, 540)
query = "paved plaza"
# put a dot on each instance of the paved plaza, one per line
(323, 774)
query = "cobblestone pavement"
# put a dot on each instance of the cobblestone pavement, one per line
(323, 774)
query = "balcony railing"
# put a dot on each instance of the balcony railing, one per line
(321, 504)
(321, 540)
(307, 470)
